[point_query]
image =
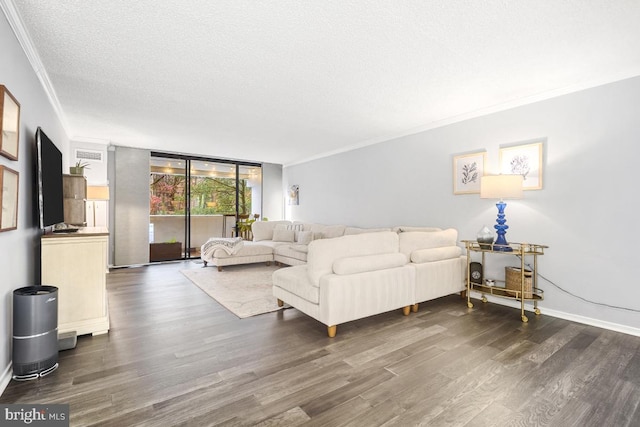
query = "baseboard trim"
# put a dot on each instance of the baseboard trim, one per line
(6, 378)
(629, 330)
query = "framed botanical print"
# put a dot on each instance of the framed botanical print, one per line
(525, 160)
(294, 195)
(467, 171)
(9, 196)
(9, 124)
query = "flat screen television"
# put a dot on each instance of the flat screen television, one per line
(48, 181)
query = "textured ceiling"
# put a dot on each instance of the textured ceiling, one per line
(282, 81)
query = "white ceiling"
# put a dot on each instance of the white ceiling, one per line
(288, 80)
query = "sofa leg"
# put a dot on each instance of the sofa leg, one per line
(414, 308)
(331, 330)
(205, 264)
(463, 294)
(219, 268)
(268, 263)
(406, 310)
(280, 303)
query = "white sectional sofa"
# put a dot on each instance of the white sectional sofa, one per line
(284, 242)
(348, 278)
(355, 276)
(341, 273)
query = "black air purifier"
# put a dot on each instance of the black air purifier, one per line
(35, 331)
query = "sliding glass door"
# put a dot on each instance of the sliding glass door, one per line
(195, 199)
(167, 225)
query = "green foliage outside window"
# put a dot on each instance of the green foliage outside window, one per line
(209, 196)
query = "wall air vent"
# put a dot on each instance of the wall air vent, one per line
(90, 155)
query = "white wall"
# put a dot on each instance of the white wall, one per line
(20, 249)
(96, 172)
(584, 213)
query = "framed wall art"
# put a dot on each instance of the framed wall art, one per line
(525, 160)
(467, 170)
(294, 195)
(9, 196)
(9, 124)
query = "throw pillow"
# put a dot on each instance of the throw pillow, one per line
(420, 256)
(362, 264)
(295, 227)
(283, 235)
(305, 237)
(413, 240)
(262, 230)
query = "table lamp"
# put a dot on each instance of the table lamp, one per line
(501, 187)
(97, 193)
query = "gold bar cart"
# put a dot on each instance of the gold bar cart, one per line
(520, 250)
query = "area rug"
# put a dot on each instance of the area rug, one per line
(244, 290)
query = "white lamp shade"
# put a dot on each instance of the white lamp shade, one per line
(97, 192)
(501, 187)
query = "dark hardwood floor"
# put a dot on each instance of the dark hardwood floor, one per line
(174, 356)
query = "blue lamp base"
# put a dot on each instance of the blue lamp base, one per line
(501, 244)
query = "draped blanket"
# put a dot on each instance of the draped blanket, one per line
(229, 245)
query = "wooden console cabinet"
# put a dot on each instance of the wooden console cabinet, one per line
(74, 190)
(76, 263)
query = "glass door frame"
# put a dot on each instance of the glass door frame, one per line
(186, 254)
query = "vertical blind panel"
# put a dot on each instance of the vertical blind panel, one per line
(131, 222)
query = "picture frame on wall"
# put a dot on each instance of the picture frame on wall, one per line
(9, 124)
(525, 160)
(467, 171)
(294, 195)
(9, 180)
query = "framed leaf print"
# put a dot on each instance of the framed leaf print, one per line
(9, 124)
(467, 170)
(525, 160)
(9, 196)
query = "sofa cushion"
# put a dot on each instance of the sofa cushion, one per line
(295, 280)
(324, 252)
(300, 248)
(331, 231)
(420, 256)
(283, 235)
(263, 230)
(406, 228)
(322, 231)
(413, 240)
(360, 264)
(356, 230)
(294, 251)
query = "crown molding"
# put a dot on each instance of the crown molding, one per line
(21, 33)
